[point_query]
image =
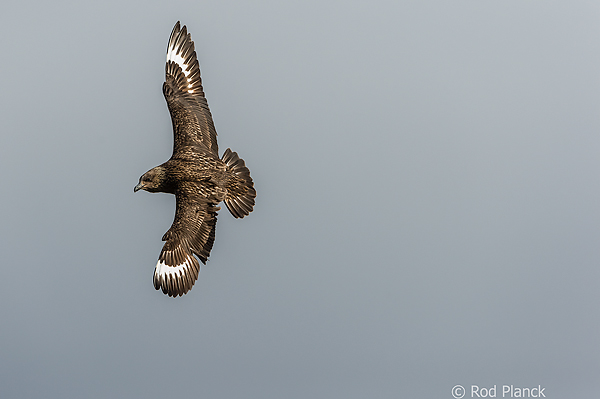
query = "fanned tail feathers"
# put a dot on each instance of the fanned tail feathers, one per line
(241, 193)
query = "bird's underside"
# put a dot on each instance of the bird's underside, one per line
(195, 173)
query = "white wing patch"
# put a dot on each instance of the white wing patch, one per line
(165, 275)
(173, 55)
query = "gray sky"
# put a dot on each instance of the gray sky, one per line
(427, 212)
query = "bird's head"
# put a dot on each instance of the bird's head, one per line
(152, 180)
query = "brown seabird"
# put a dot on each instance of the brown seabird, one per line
(194, 173)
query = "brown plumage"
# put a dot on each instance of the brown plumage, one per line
(194, 173)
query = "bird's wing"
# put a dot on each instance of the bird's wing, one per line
(191, 117)
(192, 233)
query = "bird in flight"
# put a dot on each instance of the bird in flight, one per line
(195, 173)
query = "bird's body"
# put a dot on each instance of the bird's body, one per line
(198, 169)
(195, 174)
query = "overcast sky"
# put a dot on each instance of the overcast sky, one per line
(428, 209)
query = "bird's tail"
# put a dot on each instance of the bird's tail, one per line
(240, 190)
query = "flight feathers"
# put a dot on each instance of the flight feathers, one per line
(241, 193)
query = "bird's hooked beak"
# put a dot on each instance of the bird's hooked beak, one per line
(138, 187)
